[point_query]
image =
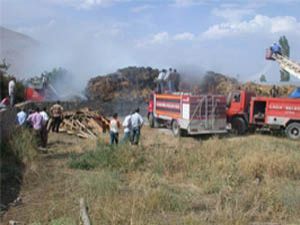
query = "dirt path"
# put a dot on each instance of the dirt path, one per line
(47, 183)
(44, 179)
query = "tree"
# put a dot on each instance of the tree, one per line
(263, 78)
(285, 49)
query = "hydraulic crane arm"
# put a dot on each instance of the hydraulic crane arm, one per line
(288, 65)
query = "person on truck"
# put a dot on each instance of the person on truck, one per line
(176, 80)
(137, 124)
(160, 81)
(168, 79)
(274, 91)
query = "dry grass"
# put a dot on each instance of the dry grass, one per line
(231, 181)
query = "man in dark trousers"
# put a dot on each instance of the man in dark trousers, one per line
(274, 91)
(57, 114)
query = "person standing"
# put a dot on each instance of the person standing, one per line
(56, 113)
(176, 80)
(168, 79)
(274, 91)
(36, 120)
(136, 123)
(21, 117)
(44, 131)
(127, 128)
(160, 81)
(276, 49)
(114, 129)
(12, 91)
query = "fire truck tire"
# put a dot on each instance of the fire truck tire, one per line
(293, 131)
(177, 132)
(239, 125)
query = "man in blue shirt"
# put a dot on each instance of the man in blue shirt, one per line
(21, 117)
(275, 48)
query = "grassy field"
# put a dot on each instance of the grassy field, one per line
(165, 180)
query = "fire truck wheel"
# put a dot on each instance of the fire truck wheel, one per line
(239, 125)
(293, 131)
(176, 128)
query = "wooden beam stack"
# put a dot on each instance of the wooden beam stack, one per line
(84, 123)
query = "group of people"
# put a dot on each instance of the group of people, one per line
(132, 126)
(38, 120)
(168, 81)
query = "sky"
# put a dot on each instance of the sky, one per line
(94, 37)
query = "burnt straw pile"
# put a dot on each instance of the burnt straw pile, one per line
(134, 83)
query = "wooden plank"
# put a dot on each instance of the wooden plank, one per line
(84, 217)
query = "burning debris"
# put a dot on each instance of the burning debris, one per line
(84, 123)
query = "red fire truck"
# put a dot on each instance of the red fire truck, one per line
(245, 111)
(188, 114)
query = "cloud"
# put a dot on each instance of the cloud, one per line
(164, 37)
(86, 4)
(258, 25)
(232, 13)
(186, 3)
(142, 8)
(184, 36)
(160, 37)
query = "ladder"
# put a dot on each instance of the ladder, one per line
(287, 65)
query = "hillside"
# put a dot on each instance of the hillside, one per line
(17, 49)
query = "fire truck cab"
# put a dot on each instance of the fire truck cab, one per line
(188, 114)
(245, 111)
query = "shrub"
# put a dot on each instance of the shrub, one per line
(23, 145)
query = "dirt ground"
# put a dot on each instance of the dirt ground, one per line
(46, 182)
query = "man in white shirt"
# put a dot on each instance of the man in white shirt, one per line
(12, 91)
(44, 131)
(21, 117)
(136, 123)
(127, 128)
(44, 115)
(168, 80)
(160, 81)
